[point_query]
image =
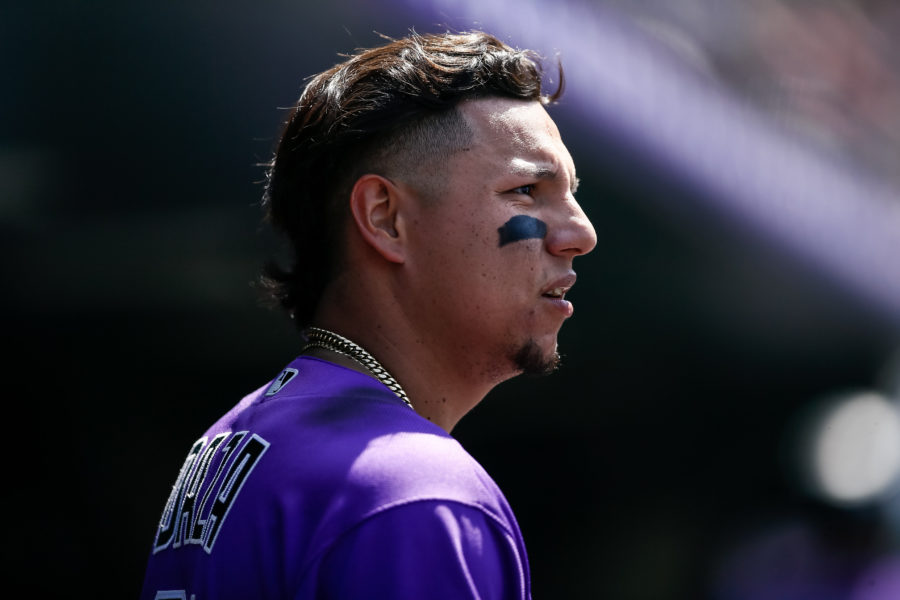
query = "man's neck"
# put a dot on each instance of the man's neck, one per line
(440, 389)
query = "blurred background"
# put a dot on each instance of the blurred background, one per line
(725, 425)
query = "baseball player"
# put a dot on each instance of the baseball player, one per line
(429, 203)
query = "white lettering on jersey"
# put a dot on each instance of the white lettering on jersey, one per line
(184, 520)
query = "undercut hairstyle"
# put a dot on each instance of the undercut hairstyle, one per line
(385, 110)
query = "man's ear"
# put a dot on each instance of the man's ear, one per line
(375, 204)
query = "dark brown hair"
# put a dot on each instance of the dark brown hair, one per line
(394, 100)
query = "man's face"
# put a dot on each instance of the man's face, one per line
(491, 256)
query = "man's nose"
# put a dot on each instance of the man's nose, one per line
(572, 234)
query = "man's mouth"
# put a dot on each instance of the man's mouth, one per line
(557, 289)
(559, 292)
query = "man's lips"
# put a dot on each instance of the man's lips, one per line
(557, 289)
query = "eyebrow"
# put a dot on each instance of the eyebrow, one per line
(544, 173)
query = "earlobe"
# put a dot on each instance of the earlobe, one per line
(375, 204)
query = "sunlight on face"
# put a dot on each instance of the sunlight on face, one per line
(493, 256)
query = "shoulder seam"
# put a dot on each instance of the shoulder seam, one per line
(330, 544)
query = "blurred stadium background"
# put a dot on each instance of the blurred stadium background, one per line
(726, 423)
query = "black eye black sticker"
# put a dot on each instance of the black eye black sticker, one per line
(522, 227)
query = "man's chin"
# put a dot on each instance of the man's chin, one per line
(531, 359)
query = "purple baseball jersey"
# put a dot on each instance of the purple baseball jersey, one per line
(324, 484)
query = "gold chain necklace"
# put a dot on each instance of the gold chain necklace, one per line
(322, 338)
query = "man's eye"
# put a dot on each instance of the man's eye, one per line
(524, 189)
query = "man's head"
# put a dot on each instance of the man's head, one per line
(391, 110)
